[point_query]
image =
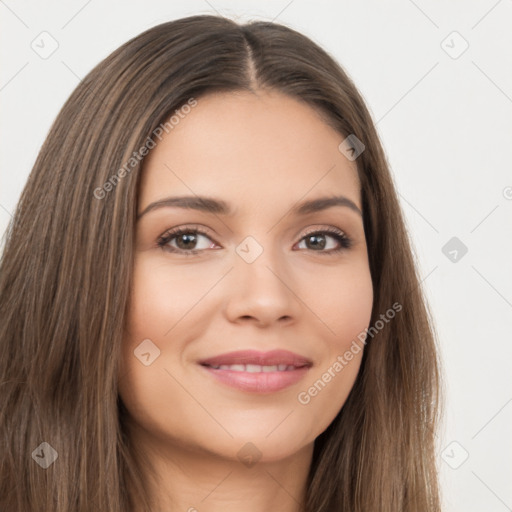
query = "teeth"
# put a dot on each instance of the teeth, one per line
(254, 368)
(234, 367)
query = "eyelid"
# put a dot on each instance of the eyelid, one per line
(329, 229)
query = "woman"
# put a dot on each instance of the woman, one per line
(208, 296)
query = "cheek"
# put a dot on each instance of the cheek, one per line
(147, 390)
(345, 308)
(163, 302)
(162, 296)
(343, 301)
(151, 314)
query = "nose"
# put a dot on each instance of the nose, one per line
(262, 292)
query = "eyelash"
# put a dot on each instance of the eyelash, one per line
(344, 241)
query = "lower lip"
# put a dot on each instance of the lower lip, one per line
(258, 382)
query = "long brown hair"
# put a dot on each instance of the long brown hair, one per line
(66, 271)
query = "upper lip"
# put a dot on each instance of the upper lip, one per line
(271, 358)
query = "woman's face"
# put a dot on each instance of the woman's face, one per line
(232, 349)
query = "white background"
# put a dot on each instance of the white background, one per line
(446, 126)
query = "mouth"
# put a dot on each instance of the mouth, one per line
(258, 372)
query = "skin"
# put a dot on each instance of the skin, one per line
(262, 153)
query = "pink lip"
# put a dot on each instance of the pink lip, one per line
(258, 382)
(254, 357)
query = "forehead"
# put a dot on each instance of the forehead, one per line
(249, 148)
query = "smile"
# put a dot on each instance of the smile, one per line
(254, 368)
(257, 372)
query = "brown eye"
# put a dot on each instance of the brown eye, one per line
(326, 241)
(185, 240)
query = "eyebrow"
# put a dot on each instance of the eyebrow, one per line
(218, 206)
